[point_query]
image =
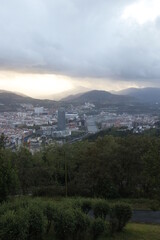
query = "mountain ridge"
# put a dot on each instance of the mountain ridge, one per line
(10, 101)
(148, 94)
(99, 96)
(141, 95)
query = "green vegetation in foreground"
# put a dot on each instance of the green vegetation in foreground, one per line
(139, 203)
(132, 232)
(31, 219)
(103, 169)
(138, 232)
(135, 203)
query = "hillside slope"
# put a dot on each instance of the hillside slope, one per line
(150, 95)
(97, 96)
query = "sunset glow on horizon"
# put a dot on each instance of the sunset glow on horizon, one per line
(35, 85)
(49, 47)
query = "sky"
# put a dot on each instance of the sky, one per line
(51, 46)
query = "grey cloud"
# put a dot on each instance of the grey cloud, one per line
(80, 38)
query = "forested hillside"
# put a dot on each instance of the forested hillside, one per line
(110, 167)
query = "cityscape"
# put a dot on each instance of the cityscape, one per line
(79, 120)
(35, 127)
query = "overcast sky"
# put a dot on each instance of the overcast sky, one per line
(66, 43)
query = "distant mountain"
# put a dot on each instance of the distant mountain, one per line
(71, 97)
(17, 93)
(97, 96)
(7, 97)
(150, 95)
(10, 101)
(59, 96)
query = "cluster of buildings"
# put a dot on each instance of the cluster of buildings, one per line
(137, 123)
(34, 126)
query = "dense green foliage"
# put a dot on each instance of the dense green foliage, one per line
(30, 219)
(110, 167)
(97, 227)
(120, 214)
(8, 174)
(85, 204)
(100, 209)
(14, 225)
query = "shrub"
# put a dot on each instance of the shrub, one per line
(86, 205)
(14, 226)
(37, 222)
(64, 223)
(113, 224)
(101, 209)
(120, 214)
(14, 205)
(155, 205)
(49, 211)
(3, 208)
(97, 227)
(82, 223)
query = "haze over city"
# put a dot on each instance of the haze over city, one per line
(48, 47)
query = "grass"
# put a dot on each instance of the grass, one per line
(133, 231)
(137, 232)
(139, 203)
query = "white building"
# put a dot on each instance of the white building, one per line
(38, 110)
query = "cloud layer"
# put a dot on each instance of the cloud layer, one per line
(79, 38)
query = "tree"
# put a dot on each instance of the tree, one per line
(8, 175)
(25, 169)
(3, 139)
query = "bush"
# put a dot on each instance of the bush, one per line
(16, 204)
(38, 214)
(82, 223)
(64, 223)
(37, 222)
(120, 214)
(84, 204)
(113, 224)
(101, 209)
(3, 208)
(14, 226)
(49, 211)
(97, 227)
(155, 205)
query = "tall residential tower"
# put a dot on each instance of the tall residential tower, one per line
(61, 119)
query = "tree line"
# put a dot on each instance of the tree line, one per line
(110, 167)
